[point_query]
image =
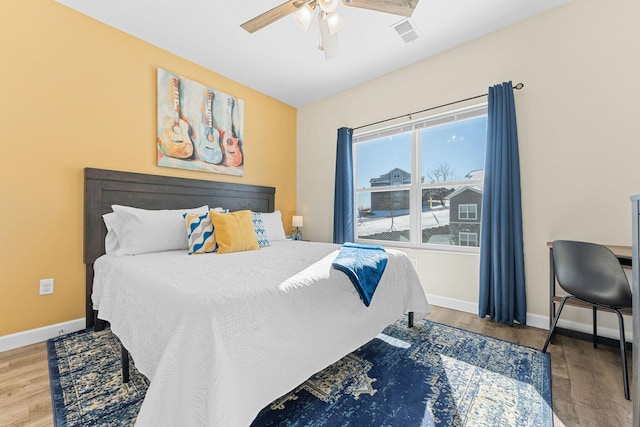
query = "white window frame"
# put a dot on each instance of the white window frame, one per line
(416, 187)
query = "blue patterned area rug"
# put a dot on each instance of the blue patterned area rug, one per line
(429, 375)
(86, 381)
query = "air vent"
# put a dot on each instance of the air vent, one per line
(406, 29)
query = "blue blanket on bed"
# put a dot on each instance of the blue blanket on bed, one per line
(364, 265)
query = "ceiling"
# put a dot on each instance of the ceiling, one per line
(283, 61)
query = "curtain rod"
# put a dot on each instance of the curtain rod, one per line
(518, 86)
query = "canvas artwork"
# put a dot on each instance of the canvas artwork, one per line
(199, 128)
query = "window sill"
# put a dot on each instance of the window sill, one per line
(421, 247)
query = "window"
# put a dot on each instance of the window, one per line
(420, 183)
(468, 211)
(468, 239)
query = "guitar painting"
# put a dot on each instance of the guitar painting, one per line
(231, 144)
(198, 127)
(175, 141)
(209, 145)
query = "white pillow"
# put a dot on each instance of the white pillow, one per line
(272, 223)
(139, 231)
(114, 224)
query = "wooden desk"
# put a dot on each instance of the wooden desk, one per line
(624, 255)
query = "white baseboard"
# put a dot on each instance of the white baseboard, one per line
(20, 339)
(534, 320)
(454, 304)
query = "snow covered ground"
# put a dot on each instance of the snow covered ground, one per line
(374, 224)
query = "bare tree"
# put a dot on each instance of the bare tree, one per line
(391, 201)
(386, 201)
(441, 173)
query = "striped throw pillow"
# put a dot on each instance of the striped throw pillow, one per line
(199, 233)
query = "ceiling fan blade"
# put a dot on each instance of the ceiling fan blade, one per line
(271, 16)
(395, 7)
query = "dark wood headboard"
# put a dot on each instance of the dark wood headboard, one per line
(103, 188)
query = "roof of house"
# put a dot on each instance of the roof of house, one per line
(475, 174)
(387, 176)
(462, 190)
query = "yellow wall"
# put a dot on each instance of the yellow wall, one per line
(77, 93)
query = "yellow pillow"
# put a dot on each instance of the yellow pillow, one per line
(234, 231)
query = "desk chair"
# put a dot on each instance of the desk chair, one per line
(592, 274)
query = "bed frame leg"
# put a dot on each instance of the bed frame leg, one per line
(411, 319)
(98, 324)
(125, 364)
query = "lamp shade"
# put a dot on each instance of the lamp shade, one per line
(297, 221)
(334, 22)
(303, 17)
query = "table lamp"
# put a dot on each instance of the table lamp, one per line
(297, 222)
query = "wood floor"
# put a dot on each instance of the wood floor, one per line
(587, 382)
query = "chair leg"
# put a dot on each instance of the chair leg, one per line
(623, 353)
(555, 322)
(595, 327)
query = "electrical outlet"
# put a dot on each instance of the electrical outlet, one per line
(46, 286)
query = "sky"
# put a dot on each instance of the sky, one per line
(461, 145)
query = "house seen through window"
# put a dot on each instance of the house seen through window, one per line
(420, 183)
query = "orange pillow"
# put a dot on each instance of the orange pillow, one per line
(234, 231)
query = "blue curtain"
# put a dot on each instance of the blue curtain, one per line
(343, 206)
(502, 282)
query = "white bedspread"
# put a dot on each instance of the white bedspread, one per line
(221, 336)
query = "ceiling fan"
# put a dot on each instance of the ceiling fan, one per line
(328, 18)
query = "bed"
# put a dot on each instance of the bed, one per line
(220, 336)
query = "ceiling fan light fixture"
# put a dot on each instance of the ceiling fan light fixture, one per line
(328, 6)
(334, 22)
(303, 17)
